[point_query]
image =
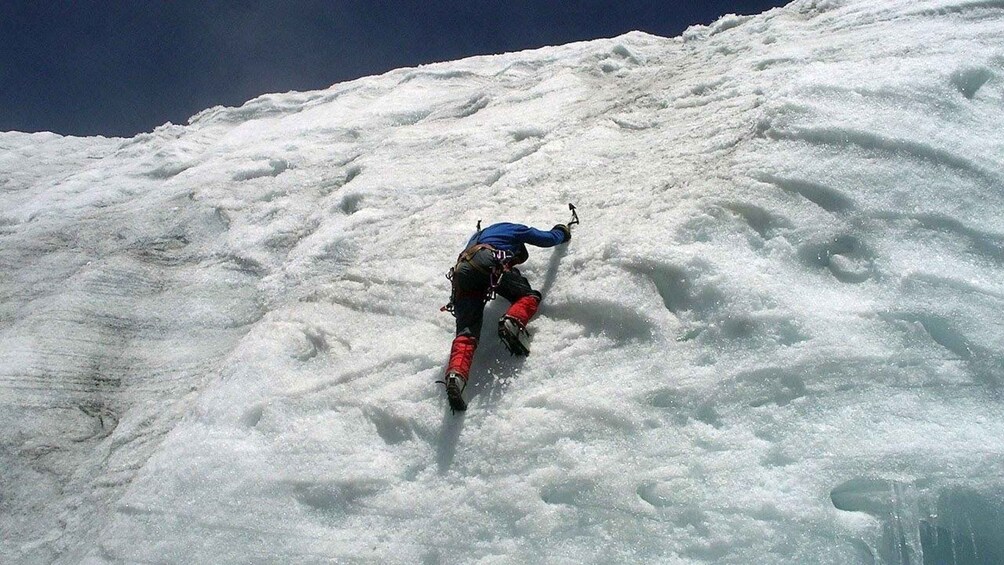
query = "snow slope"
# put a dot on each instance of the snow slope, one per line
(775, 337)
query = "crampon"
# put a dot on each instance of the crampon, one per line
(455, 385)
(514, 336)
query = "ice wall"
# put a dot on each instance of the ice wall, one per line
(773, 339)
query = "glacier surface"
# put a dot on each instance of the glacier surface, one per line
(775, 337)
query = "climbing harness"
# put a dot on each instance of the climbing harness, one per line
(500, 264)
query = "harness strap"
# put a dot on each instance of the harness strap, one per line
(467, 255)
(494, 275)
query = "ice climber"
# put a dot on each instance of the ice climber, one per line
(485, 268)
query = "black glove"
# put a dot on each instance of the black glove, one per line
(564, 229)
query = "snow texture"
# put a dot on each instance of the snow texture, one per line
(775, 337)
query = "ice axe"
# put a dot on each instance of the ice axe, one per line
(575, 216)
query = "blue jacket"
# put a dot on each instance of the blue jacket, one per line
(514, 237)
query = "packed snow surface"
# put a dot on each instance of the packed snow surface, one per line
(776, 336)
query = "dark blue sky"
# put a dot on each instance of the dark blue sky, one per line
(120, 67)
